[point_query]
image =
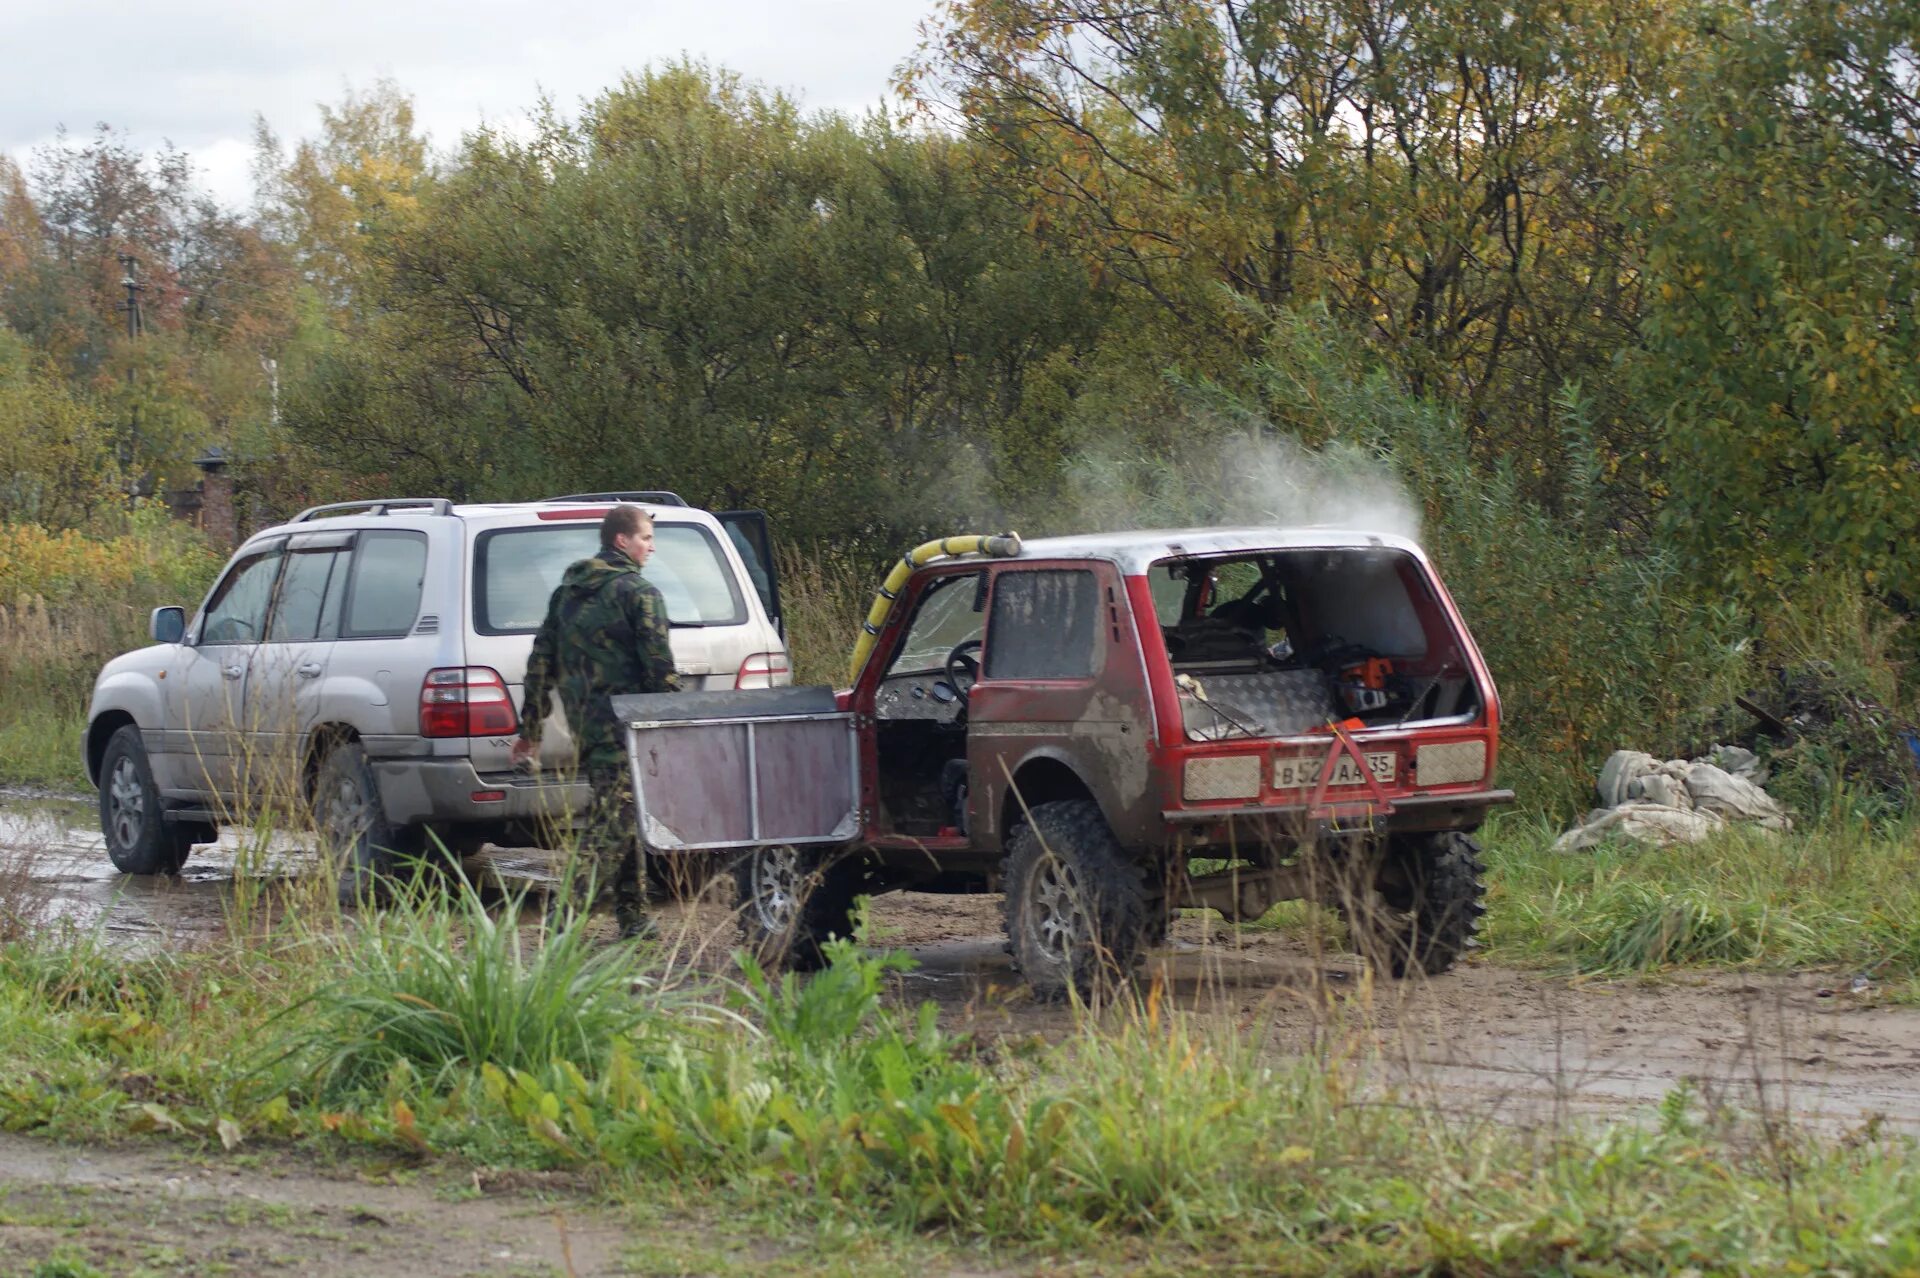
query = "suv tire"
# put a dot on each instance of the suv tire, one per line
(1430, 886)
(1078, 909)
(369, 851)
(133, 817)
(792, 900)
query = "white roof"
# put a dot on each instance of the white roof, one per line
(1134, 552)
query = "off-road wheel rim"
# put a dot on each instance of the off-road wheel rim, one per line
(775, 882)
(1060, 924)
(126, 803)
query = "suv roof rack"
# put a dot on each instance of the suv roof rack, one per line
(378, 506)
(655, 498)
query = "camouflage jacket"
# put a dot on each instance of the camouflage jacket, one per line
(605, 633)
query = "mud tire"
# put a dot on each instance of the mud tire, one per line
(793, 900)
(372, 856)
(140, 840)
(1079, 911)
(1432, 887)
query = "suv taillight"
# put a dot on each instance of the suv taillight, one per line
(758, 670)
(466, 701)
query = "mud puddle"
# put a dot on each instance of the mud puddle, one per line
(55, 862)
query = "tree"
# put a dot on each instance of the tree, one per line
(1781, 335)
(337, 195)
(695, 287)
(1442, 175)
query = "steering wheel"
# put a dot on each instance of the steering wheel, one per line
(963, 660)
(230, 630)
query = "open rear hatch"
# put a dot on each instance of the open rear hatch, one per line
(1347, 667)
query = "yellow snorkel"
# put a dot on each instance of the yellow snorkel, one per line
(993, 546)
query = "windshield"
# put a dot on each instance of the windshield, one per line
(516, 569)
(949, 614)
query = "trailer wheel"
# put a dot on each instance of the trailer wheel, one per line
(793, 900)
(1426, 904)
(1078, 909)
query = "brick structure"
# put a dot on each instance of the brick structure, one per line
(218, 518)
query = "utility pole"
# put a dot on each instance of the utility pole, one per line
(131, 306)
(135, 325)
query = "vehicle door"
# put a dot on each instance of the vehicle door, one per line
(374, 668)
(1050, 629)
(284, 687)
(753, 538)
(206, 697)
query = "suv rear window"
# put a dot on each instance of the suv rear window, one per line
(516, 569)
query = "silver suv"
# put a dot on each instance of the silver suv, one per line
(363, 663)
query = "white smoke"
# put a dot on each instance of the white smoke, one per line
(1241, 477)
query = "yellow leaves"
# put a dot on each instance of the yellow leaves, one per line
(34, 561)
(1294, 1156)
(406, 1129)
(1833, 381)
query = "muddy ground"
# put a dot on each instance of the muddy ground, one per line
(1484, 1041)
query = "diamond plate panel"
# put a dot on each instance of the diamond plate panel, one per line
(1450, 764)
(1237, 777)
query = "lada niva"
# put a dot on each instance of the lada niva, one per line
(1106, 729)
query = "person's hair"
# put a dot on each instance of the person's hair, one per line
(622, 521)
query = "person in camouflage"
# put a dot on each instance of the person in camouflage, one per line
(605, 633)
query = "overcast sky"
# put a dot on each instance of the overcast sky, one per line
(194, 72)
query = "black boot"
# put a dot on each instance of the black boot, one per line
(560, 913)
(636, 925)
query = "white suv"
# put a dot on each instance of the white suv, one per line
(365, 660)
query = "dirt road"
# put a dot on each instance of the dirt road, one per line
(1483, 1039)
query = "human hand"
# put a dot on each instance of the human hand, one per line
(521, 752)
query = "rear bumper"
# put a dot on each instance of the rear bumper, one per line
(416, 791)
(1410, 815)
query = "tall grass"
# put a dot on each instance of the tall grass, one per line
(826, 592)
(68, 604)
(1838, 893)
(1143, 1129)
(438, 990)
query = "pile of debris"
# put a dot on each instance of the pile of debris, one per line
(1677, 801)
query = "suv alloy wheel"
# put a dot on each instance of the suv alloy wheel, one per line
(355, 835)
(132, 817)
(793, 900)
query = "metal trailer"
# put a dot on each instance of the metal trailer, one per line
(717, 771)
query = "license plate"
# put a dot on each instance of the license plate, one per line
(1299, 771)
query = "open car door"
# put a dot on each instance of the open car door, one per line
(753, 538)
(735, 770)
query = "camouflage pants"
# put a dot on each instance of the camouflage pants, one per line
(610, 856)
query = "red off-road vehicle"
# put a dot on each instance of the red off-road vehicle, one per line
(1107, 728)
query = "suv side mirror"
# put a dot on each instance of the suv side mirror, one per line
(167, 625)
